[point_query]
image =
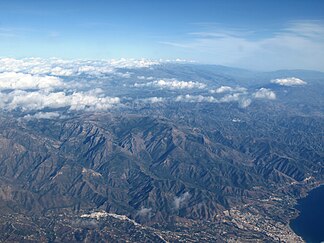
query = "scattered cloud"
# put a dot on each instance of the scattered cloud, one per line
(13, 80)
(35, 85)
(43, 115)
(145, 78)
(179, 201)
(264, 93)
(243, 100)
(153, 100)
(38, 100)
(123, 75)
(31, 85)
(195, 98)
(228, 89)
(292, 81)
(230, 98)
(172, 84)
(144, 212)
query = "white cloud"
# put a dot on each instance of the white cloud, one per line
(264, 93)
(124, 75)
(311, 29)
(176, 60)
(32, 85)
(38, 100)
(298, 45)
(27, 85)
(144, 212)
(179, 201)
(292, 81)
(13, 80)
(83, 101)
(43, 115)
(59, 67)
(133, 63)
(153, 100)
(230, 98)
(59, 71)
(145, 78)
(195, 98)
(172, 84)
(241, 99)
(224, 89)
(244, 102)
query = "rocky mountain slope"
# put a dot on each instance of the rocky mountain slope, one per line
(193, 168)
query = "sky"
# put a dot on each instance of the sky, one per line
(252, 34)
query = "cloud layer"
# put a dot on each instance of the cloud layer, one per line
(297, 45)
(42, 88)
(59, 67)
(30, 85)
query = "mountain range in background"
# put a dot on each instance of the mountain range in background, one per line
(169, 151)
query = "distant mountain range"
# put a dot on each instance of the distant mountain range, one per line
(209, 153)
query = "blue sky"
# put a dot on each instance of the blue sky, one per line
(262, 35)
